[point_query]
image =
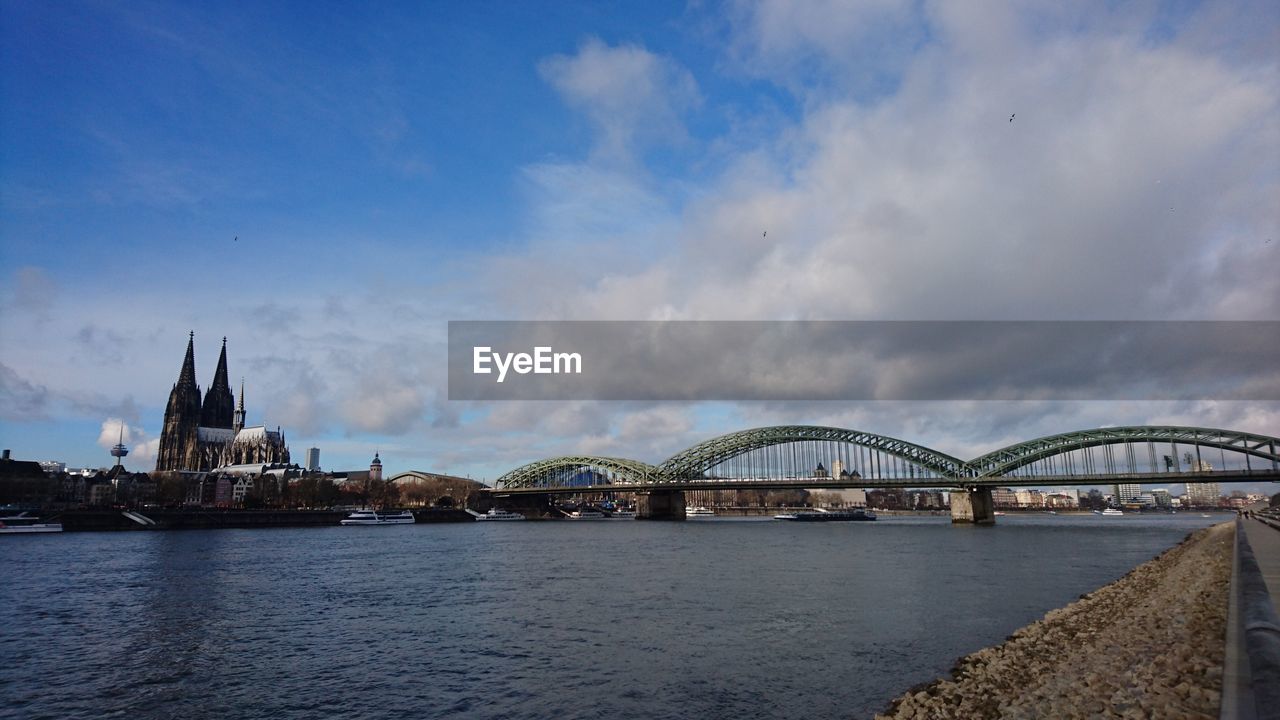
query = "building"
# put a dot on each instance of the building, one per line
(53, 467)
(203, 435)
(1061, 499)
(1202, 495)
(1004, 497)
(1127, 492)
(1029, 498)
(23, 482)
(1161, 498)
(313, 459)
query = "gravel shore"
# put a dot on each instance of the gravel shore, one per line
(1149, 645)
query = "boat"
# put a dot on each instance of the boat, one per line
(585, 514)
(699, 511)
(998, 513)
(622, 514)
(1204, 514)
(370, 517)
(1111, 512)
(22, 523)
(821, 515)
(495, 515)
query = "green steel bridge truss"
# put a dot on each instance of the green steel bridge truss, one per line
(690, 465)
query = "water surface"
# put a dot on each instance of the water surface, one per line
(739, 618)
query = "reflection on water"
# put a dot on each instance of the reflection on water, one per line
(733, 618)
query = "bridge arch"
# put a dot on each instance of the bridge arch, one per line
(570, 470)
(1019, 455)
(693, 462)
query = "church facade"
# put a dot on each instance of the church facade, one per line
(202, 435)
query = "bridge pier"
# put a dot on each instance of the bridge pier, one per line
(660, 505)
(973, 505)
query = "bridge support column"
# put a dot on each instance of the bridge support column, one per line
(973, 505)
(660, 505)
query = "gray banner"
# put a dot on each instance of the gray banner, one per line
(863, 360)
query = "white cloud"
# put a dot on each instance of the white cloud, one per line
(631, 95)
(142, 448)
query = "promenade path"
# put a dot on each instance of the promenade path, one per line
(1265, 541)
(1246, 694)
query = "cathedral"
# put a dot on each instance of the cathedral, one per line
(201, 436)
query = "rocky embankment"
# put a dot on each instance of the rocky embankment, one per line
(1149, 645)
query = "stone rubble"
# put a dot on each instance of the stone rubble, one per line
(1149, 645)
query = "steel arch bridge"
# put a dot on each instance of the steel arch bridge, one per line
(1013, 457)
(1054, 458)
(695, 461)
(561, 471)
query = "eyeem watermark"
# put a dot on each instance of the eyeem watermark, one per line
(543, 361)
(863, 360)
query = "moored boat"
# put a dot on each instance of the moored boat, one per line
(1112, 512)
(622, 514)
(22, 524)
(585, 514)
(371, 517)
(821, 515)
(698, 511)
(496, 515)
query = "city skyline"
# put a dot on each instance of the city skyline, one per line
(328, 189)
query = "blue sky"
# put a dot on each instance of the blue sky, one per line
(389, 168)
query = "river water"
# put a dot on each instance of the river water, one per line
(721, 618)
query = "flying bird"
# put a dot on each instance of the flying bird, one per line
(766, 234)
(237, 239)
(1011, 117)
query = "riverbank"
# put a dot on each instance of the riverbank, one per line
(1148, 645)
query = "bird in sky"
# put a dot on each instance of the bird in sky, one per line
(237, 239)
(1011, 117)
(766, 234)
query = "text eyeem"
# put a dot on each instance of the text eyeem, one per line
(542, 362)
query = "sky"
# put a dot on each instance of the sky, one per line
(327, 185)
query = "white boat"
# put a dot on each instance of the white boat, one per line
(586, 514)
(821, 515)
(622, 515)
(1111, 512)
(370, 517)
(699, 512)
(23, 523)
(495, 514)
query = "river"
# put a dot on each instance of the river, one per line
(720, 618)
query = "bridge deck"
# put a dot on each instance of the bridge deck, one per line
(1220, 476)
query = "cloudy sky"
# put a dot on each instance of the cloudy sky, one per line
(328, 186)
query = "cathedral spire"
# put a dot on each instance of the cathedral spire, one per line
(178, 439)
(237, 423)
(218, 404)
(188, 374)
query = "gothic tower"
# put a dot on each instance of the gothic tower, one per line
(178, 442)
(218, 403)
(238, 423)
